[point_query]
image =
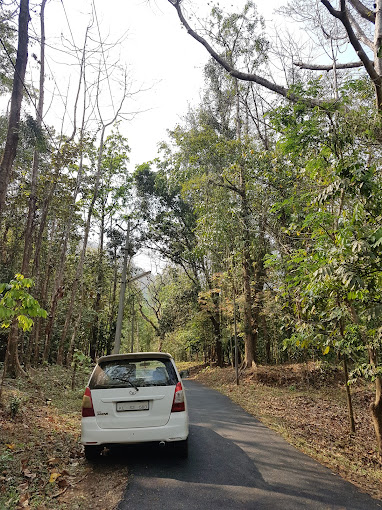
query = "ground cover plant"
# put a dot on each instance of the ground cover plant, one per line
(41, 461)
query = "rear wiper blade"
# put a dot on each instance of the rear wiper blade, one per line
(126, 380)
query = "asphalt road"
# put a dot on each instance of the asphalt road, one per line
(235, 462)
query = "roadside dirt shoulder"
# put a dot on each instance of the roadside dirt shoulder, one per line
(41, 460)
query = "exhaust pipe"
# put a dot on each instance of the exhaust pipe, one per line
(162, 444)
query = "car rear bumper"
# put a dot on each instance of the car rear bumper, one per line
(176, 429)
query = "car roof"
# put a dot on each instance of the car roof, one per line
(135, 356)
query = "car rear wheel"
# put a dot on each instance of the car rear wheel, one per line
(92, 452)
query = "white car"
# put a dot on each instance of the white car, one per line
(134, 398)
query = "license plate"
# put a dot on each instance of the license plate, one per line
(139, 405)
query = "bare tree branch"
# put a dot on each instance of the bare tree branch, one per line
(367, 63)
(361, 34)
(316, 67)
(331, 9)
(279, 89)
(147, 319)
(363, 11)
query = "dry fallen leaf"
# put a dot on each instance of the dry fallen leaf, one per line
(24, 500)
(24, 462)
(53, 477)
(11, 446)
(23, 486)
(29, 474)
(54, 461)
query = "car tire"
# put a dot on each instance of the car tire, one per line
(92, 452)
(181, 449)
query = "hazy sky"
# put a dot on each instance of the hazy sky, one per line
(161, 57)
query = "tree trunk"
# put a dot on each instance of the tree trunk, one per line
(43, 219)
(13, 367)
(113, 307)
(4, 243)
(42, 284)
(250, 327)
(132, 324)
(249, 334)
(35, 164)
(74, 288)
(97, 303)
(267, 340)
(378, 37)
(58, 293)
(348, 397)
(34, 175)
(49, 197)
(376, 412)
(35, 346)
(12, 140)
(376, 406)
(377, 52)
(73, 339)
(73, 385)
(80, 266)
(58, 287)
(218, 339)
(28, 353)
(160, 343)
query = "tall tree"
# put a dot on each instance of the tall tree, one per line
(113, 198)
(35, 164)
(12, 140)
(350, 14)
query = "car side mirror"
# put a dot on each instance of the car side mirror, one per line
(184, 373)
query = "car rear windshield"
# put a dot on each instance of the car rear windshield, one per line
(133, 373)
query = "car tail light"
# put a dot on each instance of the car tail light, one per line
(178, 403)
(87, 404)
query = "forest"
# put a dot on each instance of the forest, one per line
(265, 201)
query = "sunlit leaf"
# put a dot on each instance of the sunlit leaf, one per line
(53, 476)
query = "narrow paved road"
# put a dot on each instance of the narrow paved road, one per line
(235, 462)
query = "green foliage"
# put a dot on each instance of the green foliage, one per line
(330, 277)
(33, 135)
(168, 219)
(17, 303)
(7, 53)
(81, 360)
(239, 182)
(14, 406)
(239, 35)
(6, 459)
